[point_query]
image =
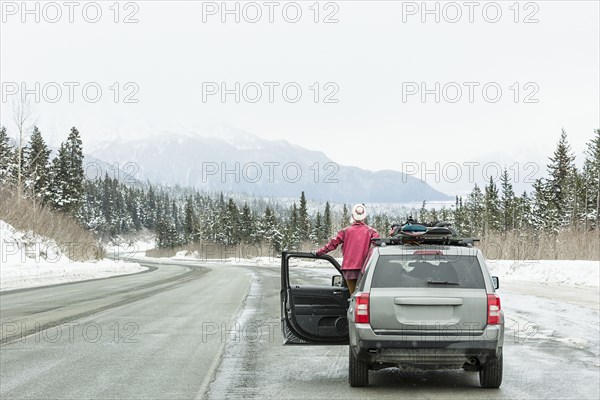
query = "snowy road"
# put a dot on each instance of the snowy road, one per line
(178, 332)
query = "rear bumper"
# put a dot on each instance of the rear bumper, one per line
(432, 351)
(440, 354)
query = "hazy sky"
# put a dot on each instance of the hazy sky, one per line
(375, 61)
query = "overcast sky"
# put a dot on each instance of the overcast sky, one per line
(375, 61)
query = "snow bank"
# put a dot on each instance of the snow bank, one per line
(25, 275)
(263, 261)
(560, 272)
(29, 260)
(252, 261)
(131, 246)
(568, 273)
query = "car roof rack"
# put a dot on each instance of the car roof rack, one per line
(416, 234)
(424, 240)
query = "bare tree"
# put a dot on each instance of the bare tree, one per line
(23, 118)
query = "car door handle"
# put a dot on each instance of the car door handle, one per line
(337, 293)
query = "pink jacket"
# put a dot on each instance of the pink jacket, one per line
(356, 242)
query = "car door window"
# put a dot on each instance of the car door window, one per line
(311, 272)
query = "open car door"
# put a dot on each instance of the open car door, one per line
(312, 314)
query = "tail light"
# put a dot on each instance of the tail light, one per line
(361, 311)
(493, 313)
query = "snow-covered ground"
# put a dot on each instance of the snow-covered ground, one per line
(574, 273)
(29, 260)
(131, 246)
(570, 273)
(264, 261)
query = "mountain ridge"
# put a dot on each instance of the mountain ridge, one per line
(234, 160)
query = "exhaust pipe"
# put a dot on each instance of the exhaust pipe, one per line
(471, 364)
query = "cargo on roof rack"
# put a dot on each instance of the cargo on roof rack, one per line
(412, 233)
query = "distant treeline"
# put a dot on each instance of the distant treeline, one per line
(568, 198)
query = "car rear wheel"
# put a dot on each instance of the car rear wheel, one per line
(358, 371)
(491, 374)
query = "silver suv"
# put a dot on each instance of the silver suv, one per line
(429, 307)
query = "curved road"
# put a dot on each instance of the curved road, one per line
(189, 330)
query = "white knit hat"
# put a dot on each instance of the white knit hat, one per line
(359, 212)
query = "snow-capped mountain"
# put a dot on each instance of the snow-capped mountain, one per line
(233, 160)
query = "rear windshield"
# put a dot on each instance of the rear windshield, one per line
(413, 271)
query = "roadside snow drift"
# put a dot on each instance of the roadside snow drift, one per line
(570, 273)
(559, 272)
(29, 260)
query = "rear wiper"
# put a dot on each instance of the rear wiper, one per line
(442, 283)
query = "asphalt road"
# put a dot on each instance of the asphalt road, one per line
(187, 330)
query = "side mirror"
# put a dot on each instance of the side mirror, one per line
(496, 282)
(337, 281)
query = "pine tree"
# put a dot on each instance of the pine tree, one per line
(542, 214)
(423, 217)
(475, 209)
(166, 234)
(172, 222)
(67, 176)
(270, 231)
(507, 203)
(108, 206)
(379, 223)
(345, 219)
(191, 229)
(524, 211)
(6, 158)
(433, 216)
(492, 207)
(591, 177)
(291, 238)
(175, 220)
(303, 219)
(157, 215)
(460, 216)
(151, 212)
(579, 196)
(36, 166)
(317, 231)
(133, 208)
(59, 176)
(90, 214)
(125, 223)
(561, 172)
(247, 226)
(327, 224)
(445, 215)
(77, 173)
(211, 217)
(230, 224)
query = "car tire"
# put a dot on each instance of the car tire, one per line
(358, 375)
(491, 375)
